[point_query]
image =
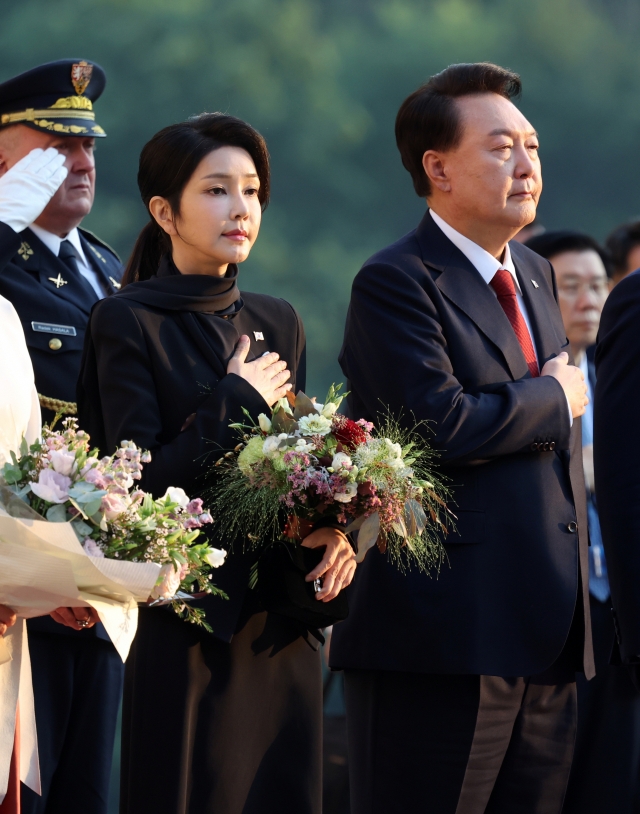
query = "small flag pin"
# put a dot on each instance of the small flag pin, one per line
(258, 335)
(535, 285)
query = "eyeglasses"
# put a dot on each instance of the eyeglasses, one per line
(599, 289)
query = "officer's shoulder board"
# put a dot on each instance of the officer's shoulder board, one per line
(91, 239)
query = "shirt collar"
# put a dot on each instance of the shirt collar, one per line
(53, 242)
(485, 264)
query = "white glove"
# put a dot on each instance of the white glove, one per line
(29, 185)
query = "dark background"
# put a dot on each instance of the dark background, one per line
(322, 80)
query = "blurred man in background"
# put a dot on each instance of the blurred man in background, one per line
(623, 245)
(53, 273)
(604, 775)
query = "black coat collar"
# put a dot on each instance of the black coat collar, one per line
(461, 283)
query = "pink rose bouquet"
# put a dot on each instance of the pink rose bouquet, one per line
(63, 480)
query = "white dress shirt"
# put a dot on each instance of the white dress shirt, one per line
(53, 242)
(486, 265)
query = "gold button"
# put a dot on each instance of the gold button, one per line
(55, 344)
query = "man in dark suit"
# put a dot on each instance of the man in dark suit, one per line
(616, 456)
(53, 272)
(606, 764)
(460, 688)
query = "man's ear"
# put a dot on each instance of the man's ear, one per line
(436, 171)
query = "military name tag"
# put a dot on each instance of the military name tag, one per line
(49, 328)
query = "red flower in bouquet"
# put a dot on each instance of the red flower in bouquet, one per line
(349, 433)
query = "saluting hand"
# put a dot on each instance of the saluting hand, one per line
(29, 185)
(267, 374)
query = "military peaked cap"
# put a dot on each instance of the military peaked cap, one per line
(56, 97)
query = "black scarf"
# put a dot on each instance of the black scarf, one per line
(173, 291)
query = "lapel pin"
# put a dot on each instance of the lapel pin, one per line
(535, 285)
(57, 280)
(258, 335)
(115, 284)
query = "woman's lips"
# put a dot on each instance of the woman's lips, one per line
(237, 236)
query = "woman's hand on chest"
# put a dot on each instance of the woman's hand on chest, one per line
(268, 374)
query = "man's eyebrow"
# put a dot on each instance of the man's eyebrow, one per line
(503, 132)
(224, 175)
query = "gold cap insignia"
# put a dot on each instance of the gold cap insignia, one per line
(81, 76)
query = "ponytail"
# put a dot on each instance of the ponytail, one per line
(145, 258)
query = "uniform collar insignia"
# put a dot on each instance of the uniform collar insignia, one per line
(25, 251)
(58, 281)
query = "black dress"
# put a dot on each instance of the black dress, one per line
(228, 723)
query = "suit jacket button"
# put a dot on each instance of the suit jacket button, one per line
(552, 446)
(546, 446)
(55, 343)
(572, 527)
(534, 447)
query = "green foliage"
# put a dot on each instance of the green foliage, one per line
(322, 79)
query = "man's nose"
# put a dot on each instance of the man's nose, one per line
(525, 166)
(80, 162)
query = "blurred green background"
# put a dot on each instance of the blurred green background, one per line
(322, 80)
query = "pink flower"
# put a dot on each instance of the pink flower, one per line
(92, 548)
(195, 506)
(51, 486)
(205, 517)
(62, 461)
(96, 477)
(192, 523)
(168, 582)
(112, 506)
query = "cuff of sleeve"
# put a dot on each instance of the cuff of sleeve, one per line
(570, 411)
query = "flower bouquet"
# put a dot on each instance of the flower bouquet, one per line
(309, 462)
(60, 479)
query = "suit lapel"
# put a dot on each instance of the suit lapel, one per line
(461, 283)
(53, 274)
(98, 262)
(541, 308)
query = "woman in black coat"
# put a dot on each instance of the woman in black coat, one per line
(228, 723)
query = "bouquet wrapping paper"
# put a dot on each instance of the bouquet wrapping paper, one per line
(42, 567)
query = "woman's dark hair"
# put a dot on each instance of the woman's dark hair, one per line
(429, 118)
(168, 161)
(551, 244)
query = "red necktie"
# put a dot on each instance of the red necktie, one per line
(504, 286)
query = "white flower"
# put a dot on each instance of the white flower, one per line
(215, 557)
(264, 422)
(350, 491)
(314, 425)
(92, 548)
(270, 446)
(329, 409)
(303, 446)
(63, 461)
(395, 450)
(176, 495)
(51, 486)
(340, 461)
(168, 582)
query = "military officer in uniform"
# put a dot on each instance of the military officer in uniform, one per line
(53, 272)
